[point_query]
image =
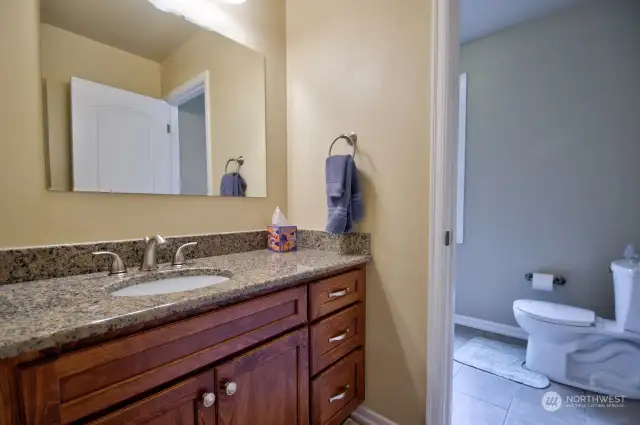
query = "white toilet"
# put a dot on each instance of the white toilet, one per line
(572, 346)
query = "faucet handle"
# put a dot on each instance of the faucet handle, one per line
(178, 259)
(117, 266)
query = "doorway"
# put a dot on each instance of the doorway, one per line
(191, 136)
(542, 174)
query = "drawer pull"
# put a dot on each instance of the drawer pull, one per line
(340, 396)
(338, 294)
(208, 399)
(230, 388)
(340, 337)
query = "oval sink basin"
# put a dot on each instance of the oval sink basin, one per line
(170, 285)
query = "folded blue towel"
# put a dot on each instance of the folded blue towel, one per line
(232, 184)
(336, 170)
(344, 199)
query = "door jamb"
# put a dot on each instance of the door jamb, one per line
(440, 324)
(200, 84)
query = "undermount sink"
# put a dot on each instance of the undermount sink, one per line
(170, 282)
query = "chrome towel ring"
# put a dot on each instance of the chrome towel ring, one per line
(239, 160)
(351, 139)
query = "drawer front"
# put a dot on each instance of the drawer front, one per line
(338, 391)
(180, 404)
(335, 336)
(329, 295)
(85, 382)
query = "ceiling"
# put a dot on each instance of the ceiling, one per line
(134, 26)
(479, 18)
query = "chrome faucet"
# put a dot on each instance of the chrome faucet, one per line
(150, 257)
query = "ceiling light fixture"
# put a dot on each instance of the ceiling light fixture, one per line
(201, 12)
(206, 14)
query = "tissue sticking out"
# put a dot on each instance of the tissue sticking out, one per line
(282, 237)
(278, 218)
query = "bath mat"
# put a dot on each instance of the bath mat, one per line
(501, 359)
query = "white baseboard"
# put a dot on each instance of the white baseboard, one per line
(365, 416)
(486, 325)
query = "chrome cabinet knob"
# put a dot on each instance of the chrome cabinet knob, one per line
(230, 388)
(208, 399)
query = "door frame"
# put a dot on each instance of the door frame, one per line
(198, 85)
(440, 303)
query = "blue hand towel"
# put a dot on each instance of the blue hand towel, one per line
(336, 174)
(344, 199)
(233, 184)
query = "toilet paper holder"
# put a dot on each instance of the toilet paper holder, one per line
(557, 280)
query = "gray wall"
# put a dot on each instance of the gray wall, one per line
(193, 147)
(553, 158)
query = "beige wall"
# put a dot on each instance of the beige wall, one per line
(31, 215)
(65, 55)
(364, 66)
(236, 104)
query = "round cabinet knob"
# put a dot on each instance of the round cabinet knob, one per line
(230, 388)
(208, 399)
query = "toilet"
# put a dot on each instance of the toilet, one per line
(572, 346)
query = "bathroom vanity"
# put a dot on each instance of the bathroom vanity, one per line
(255, 350)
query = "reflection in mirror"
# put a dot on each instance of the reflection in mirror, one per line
(138, 100)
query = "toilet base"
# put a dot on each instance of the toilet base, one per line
(597, 363)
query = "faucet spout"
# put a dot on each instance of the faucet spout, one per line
(157, 238)
(150, 256)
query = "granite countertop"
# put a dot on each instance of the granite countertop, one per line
(43, 314)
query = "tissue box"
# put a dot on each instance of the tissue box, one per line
(282, 238)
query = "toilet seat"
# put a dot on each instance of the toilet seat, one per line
(556, 313)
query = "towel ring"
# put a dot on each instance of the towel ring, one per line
(351, 139)
(239, 160)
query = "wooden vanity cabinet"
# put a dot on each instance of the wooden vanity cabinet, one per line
(250, 363)
(337, 309)
(269, 385)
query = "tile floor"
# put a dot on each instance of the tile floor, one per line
(480, 398)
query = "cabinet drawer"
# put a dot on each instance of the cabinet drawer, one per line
(335, 336)
(332, 294)
(338, 391)
(180, 404)
(88, 381)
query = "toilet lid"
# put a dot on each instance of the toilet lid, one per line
(556, 313)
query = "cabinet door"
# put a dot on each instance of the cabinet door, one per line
(182, 404)
(269, 385)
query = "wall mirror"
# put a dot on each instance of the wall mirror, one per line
(139, 100)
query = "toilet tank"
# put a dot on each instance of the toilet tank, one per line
(626, 281)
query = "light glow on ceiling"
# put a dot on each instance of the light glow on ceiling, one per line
(204, 13)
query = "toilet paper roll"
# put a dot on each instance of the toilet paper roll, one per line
(543, 282)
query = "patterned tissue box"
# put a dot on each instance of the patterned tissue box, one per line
(283, 238)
